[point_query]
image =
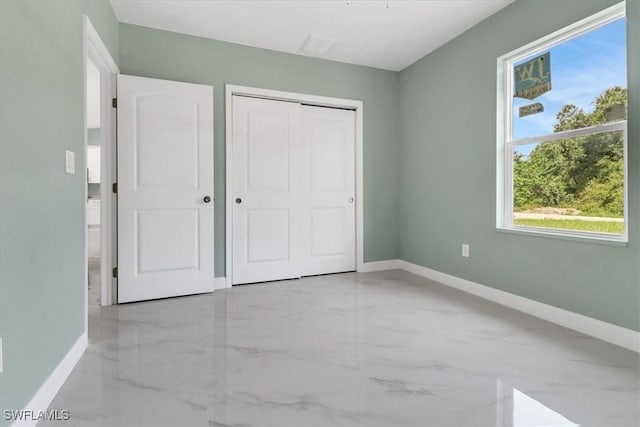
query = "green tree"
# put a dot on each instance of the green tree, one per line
(571, 117)
(604, 195)
(581, 172)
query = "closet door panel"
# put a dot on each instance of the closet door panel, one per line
(328, 196)
(266, 215)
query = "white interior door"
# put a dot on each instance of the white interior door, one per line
(328, 190)
(293, 190)
(266, 215)
(165, 188)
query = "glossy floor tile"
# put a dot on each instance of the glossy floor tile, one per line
(380, 349)
(94, 283)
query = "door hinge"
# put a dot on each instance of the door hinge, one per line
(114, 102)
(114, 187)
(114, 272)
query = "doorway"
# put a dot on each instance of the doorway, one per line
(294, 185)
(93, 176)
(100, 72)
(151, 234)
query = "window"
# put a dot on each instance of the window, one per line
(562, 132)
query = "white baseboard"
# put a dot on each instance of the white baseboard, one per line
(608, 332)
(220, 283)
(390, 264)
(44, 396)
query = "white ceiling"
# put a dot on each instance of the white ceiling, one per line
(364, 32)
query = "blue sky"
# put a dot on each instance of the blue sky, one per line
(581, 69)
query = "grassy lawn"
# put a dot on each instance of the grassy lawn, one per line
(570, 224)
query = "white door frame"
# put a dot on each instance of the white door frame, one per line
(94, 49)
(321, 101)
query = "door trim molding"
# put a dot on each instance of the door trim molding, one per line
(95, 49)
(220, 283)
(277, 95)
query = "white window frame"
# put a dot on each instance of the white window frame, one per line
(505, 144)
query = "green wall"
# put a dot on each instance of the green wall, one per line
(42, 244)
(448, 173)
(167, 55)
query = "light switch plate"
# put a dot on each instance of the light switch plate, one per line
(70, 162)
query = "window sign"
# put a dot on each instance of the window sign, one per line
(533, 78)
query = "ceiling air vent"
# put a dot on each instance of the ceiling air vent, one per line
(316, 45)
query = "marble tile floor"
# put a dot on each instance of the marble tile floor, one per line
(379, 349)
(94, 284)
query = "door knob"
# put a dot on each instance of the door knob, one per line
(350, 199)
(238, 200)
(207, 199)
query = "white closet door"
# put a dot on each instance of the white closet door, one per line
(267, 217)
(165, 187)
(293, 190)
(328, 190)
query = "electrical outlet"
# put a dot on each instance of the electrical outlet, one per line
(465, 250)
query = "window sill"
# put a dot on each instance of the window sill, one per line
(597, 238)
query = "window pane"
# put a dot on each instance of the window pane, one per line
(574, 184)
(588, 84)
